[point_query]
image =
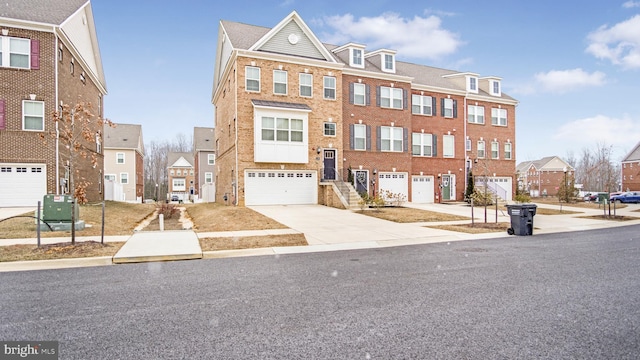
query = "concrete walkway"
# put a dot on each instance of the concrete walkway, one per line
(325, 228)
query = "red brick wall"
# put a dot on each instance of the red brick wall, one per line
(631, 176)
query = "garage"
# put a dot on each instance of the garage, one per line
(280, 187)
(422, 189)
(22, 184)
(395, 183)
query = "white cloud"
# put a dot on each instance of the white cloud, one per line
(419, 37)
(561, 81)
(599, 129)
(631, 4)
(619, 43)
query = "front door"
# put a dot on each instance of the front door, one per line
(446, 187)
(329, 164)
(361, 180)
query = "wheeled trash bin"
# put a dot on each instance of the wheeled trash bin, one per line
(521, 219)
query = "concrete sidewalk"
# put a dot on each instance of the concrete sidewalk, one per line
(148, 246)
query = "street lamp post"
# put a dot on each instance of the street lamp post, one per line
(566, 190)
(156, 192)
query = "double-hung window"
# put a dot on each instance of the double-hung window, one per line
(280, 82)
(391, 138)
(282, 129)
(421, 105)
(421, 144)
(499, 117)
(507, 151)
(329, 129)
(33, 115)
(119, 158)
(389, 62)
(356, 58)
(208, 178)
(359, 91)
(359, 137)
(124, 178)
(476, 114)
(252, 78)
(211, 159)
(391, 97)
(306, 85)
(447, 108)
(448, 146)
(481, 149)
(15, 52)
(495, 149)
(329, 87)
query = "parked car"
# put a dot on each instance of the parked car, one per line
(628, 197)
(175, 198)
(615, 193)
(587, 196)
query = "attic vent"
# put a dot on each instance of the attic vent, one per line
(124, 139)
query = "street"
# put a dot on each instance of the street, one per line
(555, 296)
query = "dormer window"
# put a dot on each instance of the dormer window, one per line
(356, 58)
(494, 87)
(472, 84)
(389, 63)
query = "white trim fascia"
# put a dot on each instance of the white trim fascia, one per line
(291, 59)
(348, 46)
(461, 74)
(380, 51)
(493, 99)
(294, 16)
(377, 75)
(76, 55)
(284, 109)
(440, 90)
(27, 25)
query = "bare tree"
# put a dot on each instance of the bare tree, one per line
(156, 164)
(597, 170)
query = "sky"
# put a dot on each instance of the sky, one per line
(574, 66)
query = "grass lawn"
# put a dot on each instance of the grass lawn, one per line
(251, 242)
(58, 251)
(611, 218)
(409, 215)
(477, 228)
(217, 217)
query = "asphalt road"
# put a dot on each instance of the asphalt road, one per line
(558, 296)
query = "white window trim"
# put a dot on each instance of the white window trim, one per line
(124, 176)
(289, 130)
(325, 88)
(324, 129)
(24, 115)
(179, 184)
(422, 143)
(472, 84)
(492, 91)
(444, 146)
(393, 92)
(383, 63)
(474, 114)
(246, 78)
(423, 101)
(123, 158)
(510, 152)
(286, 83)
(481, 145)
(497, 150)
(498, 111)
(363, 137)
(208, 177)
(6, 54)
(310, 86)
(352, 55)
(211, 159)
(359, 90)
(448, 105)
(391, 139)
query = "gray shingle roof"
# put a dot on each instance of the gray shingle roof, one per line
(203, 138)
(123, 136)
(634, 154)
(172, 157)
(280, 104)
(42, 11)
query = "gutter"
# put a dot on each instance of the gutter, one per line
(57, 180)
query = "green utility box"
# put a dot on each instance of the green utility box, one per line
(57, 208)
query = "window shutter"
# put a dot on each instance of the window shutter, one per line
(405, 139)
(442, 107)
(378, 96)
(378, 139)
(434, 148)
(352, 134)
(351, 92)
(367, 94)
(2, 123)
(434, 101)
(35, 54)
(455, 108)
(368, 137)
(405, 100)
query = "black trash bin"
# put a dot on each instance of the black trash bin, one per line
(521, 219)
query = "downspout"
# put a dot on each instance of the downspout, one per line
(235, 120)
(466, 168)
(57, 130)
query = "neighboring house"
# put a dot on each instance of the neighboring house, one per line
(181, 175)
(124, 163)
(293, 113)
(49, 56)
(544, 177)
(631, 170)
(204, 157)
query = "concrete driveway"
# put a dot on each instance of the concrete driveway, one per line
(8, 212)
(323, 225)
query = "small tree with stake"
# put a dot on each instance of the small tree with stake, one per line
(76, 129)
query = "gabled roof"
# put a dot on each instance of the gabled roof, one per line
(53, 12)
(203, 139)
(124, 136)
(549, 163)
(180, 159)
(634, 155)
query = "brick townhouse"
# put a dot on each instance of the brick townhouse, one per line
(631, 170)
(293, 113)
(50, 56)
(543, 177)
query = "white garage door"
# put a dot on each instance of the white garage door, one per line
(422, 189)
(22, 184)
(395, 183)
(279, 187)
